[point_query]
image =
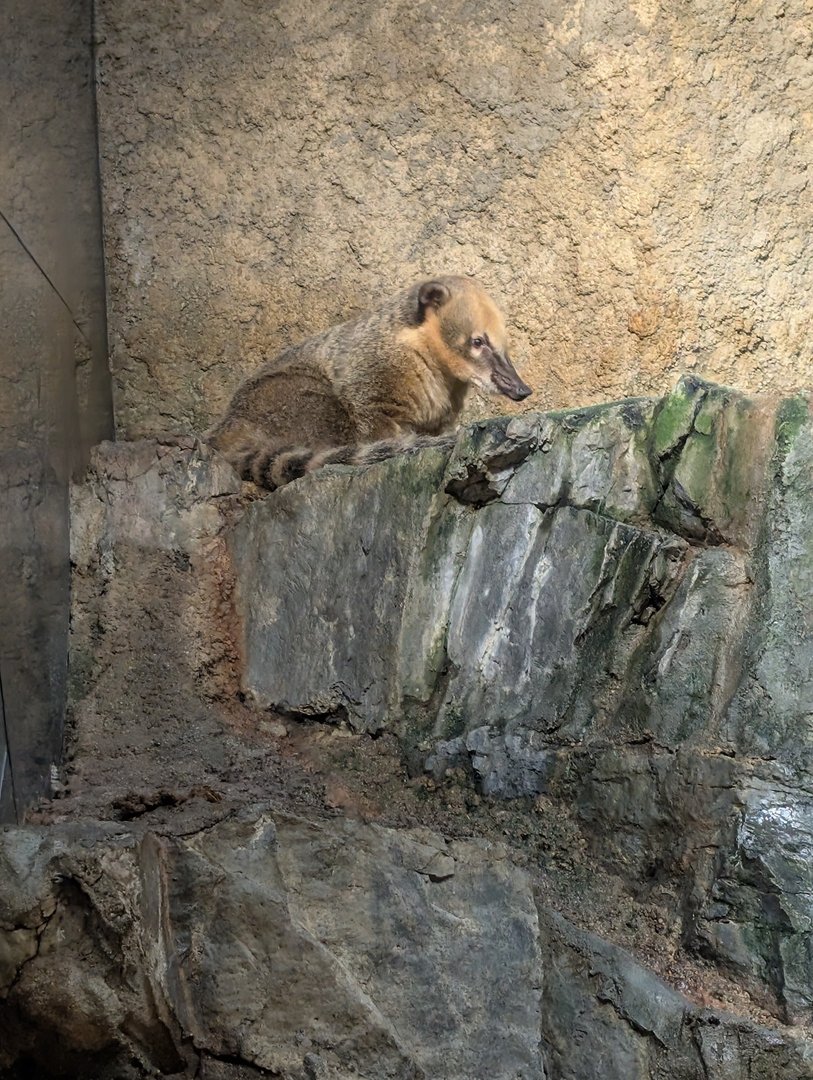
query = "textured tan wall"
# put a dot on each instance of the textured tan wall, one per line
(55, 396)
(630, 176)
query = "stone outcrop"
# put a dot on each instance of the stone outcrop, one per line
(607, 607)
(299, 948)
(592, 626)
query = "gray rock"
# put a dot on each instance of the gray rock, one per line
(322, 609)
(603, 613)
(571, 587)
(759, 915)
(606, 1016)
(302, 948)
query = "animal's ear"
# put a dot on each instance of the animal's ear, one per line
(432, 294)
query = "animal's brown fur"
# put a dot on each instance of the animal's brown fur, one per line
(369, 388)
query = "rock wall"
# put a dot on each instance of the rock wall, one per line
(629, 176)
(320, 951)
(609, 608)
(505, 774)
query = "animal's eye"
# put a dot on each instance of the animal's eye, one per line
(477, 342)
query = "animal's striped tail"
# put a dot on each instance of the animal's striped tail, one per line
(271, 469)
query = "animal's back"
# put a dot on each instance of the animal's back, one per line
(294, 399)
(400, 370)
(286, 404)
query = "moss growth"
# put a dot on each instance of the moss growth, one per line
(696, 469)
(791, 417)
(743, 466)
(674, 419)
(707, 415)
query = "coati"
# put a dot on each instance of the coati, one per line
(383, 383)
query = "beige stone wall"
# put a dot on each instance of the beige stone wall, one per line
(629, 176)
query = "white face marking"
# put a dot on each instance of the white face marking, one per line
(482, 380)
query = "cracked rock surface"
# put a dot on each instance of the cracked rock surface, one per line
(269, 943)
(483, 762)
(266, 946)
(612, 610)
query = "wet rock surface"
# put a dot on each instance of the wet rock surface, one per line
(491, 761)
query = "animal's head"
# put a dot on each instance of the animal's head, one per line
(469, 335)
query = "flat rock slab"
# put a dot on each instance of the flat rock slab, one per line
(301, 949)
(279, 944)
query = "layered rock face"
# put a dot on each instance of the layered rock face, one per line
(588, 633)
(612, 609)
